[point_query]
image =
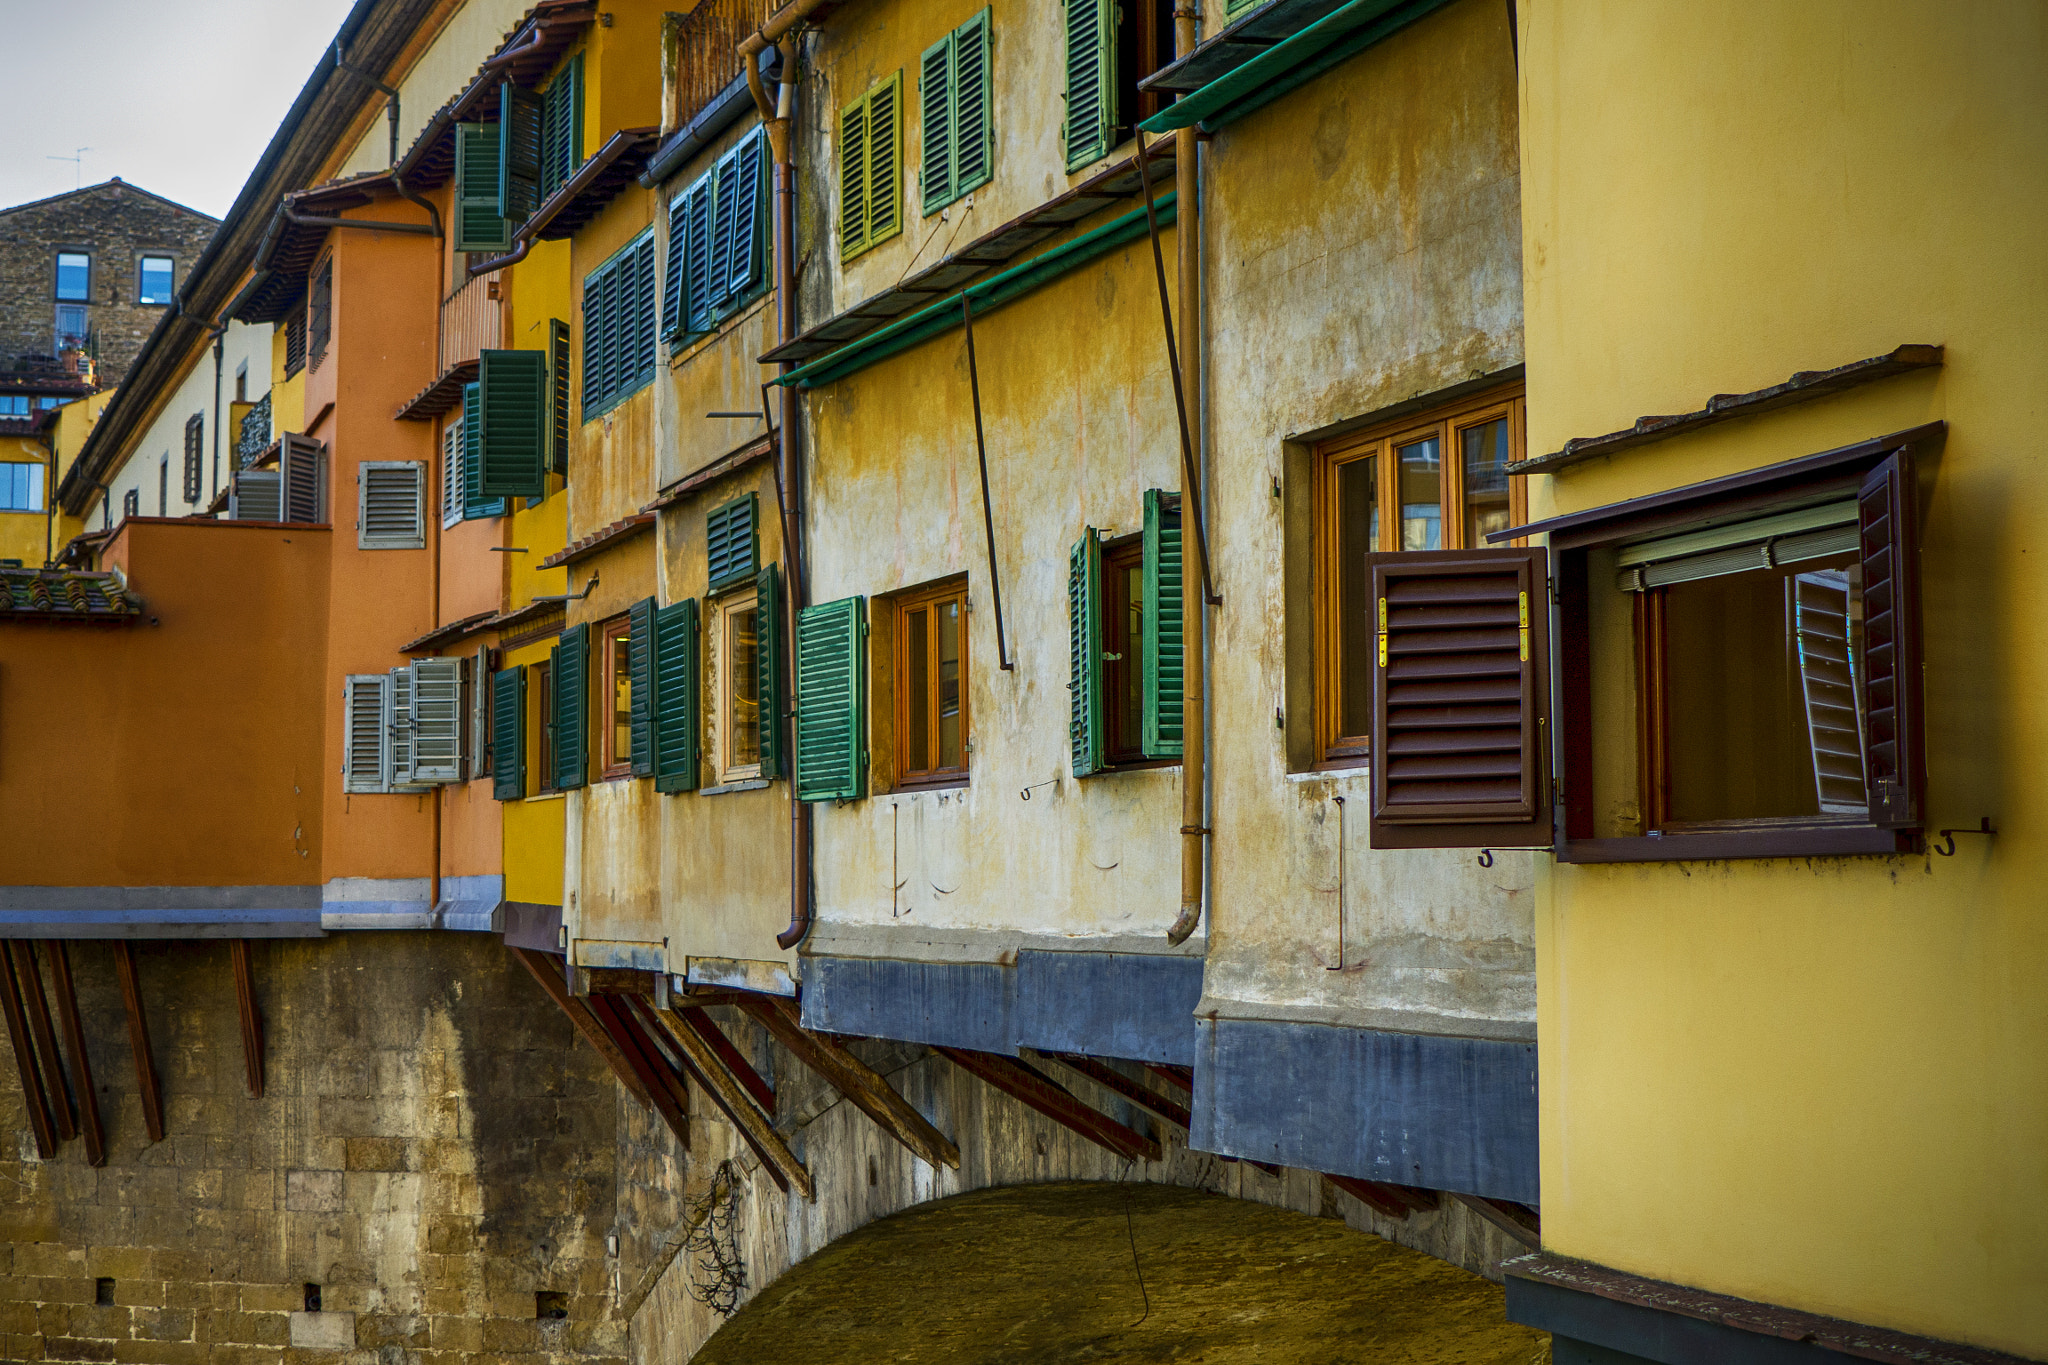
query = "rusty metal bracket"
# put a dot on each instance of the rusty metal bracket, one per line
(988, 515)
(1340, 886)
(1947, 847)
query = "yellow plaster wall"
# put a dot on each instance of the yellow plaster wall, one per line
(433, 77)
(533, 827)
(1816, 1083)
(23, 534)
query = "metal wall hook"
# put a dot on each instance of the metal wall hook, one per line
(1026, 793)
(1340, 886)
(1947, 847)
(1486, 857)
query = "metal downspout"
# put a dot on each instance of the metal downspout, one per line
(781, 136)
(1187, 237)
(219, 359)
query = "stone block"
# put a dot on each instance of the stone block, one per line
(451, 1333)
(49, 1260)
(378, 1154)
(139, 1293)
(271, 1298)
(313, 1191)
(200, 1186)
(162, 1324)
(376, 1330)
(245, 1355)
(512, 1334)
(230, 1326)
(64, 1348)
(162, 1352)
(122, 1263)
(323, 1331)
(83, 1320)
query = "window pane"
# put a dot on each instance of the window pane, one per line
(917, 722)
(70, 325)
(622, 698)
(1485, 459)
(74, 276)
(14, 404)
(1763, 678)
(1129, 672)
(1422, 496)
(743, 657)
(949, 683)
(1358, 526)
(156, 280)
(544, 688)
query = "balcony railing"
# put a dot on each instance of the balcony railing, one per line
(254, 435)
(472, 321)
(707, 49)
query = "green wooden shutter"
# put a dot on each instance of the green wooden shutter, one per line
(512, 390)
(678, 683)
(562, 141)
(643, 667)
(885, 160)
(478, 224)
(1164, 662)
(748, 187)
(831, 700)
(593, 358)
(675, 295)
(974, 136)
(768, 625)
(572, 687)
(723, 202)
(1091, 79)
(558, 396)
(935, 102)
(697, 284)
(508, 734)
(853, 179)
(646, 318)
(1084, 653)
(521, 114)
(474, 504)
(732, 542)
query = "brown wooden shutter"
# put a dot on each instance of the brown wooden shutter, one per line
(1460, 682)
(1887, 515)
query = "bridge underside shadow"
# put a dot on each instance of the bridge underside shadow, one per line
(1049, 1273)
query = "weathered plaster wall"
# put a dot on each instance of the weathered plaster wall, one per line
(162, 442)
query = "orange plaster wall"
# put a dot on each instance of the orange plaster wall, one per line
(182, 750)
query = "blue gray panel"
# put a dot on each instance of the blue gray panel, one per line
(376, 903)
(159, 912)
(529, 924)
(471, 903)
(1135, 1005)
(952, 1004)
(1595, 1330)
(1445, 1113)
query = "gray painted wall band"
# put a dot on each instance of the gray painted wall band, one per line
(1109, 1005)
(955, 1004)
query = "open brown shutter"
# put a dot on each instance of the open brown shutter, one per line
(1887, 515)
(1460, 680)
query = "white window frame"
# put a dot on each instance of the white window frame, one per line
(418, 539)
(722, 679)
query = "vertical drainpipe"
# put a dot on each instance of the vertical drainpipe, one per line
(219, 358)
(1187, 235)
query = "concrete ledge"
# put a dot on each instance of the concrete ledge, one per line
(470, 903)
(1448, 1113)
(929, 943)
(623, 954)
(377, 903)
(159, 912)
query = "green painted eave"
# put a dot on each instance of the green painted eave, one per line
(1336, 37)
(987, 295)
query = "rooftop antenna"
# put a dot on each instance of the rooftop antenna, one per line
(77, 159)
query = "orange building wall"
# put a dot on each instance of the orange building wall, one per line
(182, 750)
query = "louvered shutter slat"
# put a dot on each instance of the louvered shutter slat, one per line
(732, 542)
(1091, 88)
(674, 293)
(451, 474)
(853, 178)
(1887, 515)
(364, 765)
(703, 293)
(677, 689)
(1084, 654)
(643, 665)
(300, 463)
(508, 734)
(935, 102)
(398, 728)
(885, 160)
(436, 720)
(748, 189)
(645, 315)
(572, 684)
(593, 352)
(1458, 639)
(478, 224)
(475, 506)
(768, 627)
(831, 700)
(722, 222)
(256, 495)
(973, 123)
(391, 506)
(512, 396)
(521, 115)
(1164, 664)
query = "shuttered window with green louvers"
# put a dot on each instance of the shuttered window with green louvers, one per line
(521, 115)
(561, 147)
(558, 396)
(871, 168)
(1091, 80)
(1084, 653)
(572, 678)
(478, 224)
(474, 504)
(508, 734)
(619, 325)
(955, 103)
(831, 700)
(512, 394)
(642, 664)
(732, 542)
(678, 680)
(717, 244)
(768, 599)
(1164, 661)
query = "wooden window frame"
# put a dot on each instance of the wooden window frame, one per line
(900, 607)
(1121, 752)
(541, 688)
(1380, 443)
(725, 770)
(612, 634)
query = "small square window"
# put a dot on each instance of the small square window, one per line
(154, 284)
(74, 277)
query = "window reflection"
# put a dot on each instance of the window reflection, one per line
(1421, 476)
(743, 655)
(1484, 456)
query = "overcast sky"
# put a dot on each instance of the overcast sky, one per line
(177, 96)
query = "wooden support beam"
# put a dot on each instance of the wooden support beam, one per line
(32, 1098)
(1022, 1082)
(542, 966)
(725, 1090)
(743, 1071)
(55, 1087)
(1180, 1077)
(138, 1040)
(855, 1079)
(252, 1019)
(1389, 1201)
(81, 1064)
(1518, 1221)
(671, 1099)
(1109, 1078)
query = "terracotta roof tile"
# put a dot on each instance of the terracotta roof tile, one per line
(65, 595)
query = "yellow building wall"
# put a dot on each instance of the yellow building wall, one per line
(23, 534)
(1817, 1083)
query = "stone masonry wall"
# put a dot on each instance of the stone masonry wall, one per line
(433, 1148)
(117, 224)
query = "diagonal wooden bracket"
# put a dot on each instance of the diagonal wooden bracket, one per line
(252, 1019)
(1033, 1088)
(855, 1079)
(1389, 1201)
(32, 1096)
(138, 1040)
(709, 1070)
(81, 1064)
(1518, 1221)
(656, 1076)
(1116, 1082)
(542, 966)
(742, 1070)
(56, 1088)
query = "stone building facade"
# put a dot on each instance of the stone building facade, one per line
(124, 254)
